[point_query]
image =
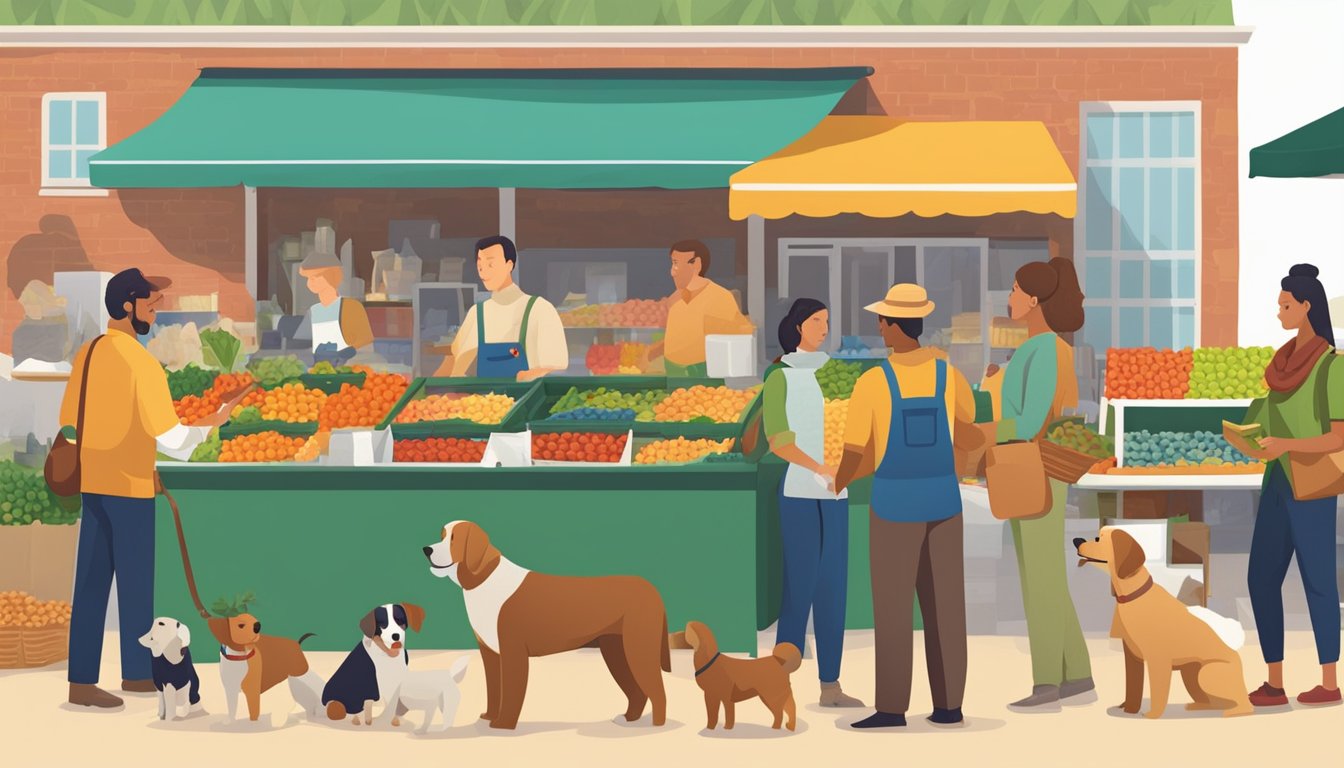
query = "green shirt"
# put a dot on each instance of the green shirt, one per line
(1302, 413)
(774, 407)
(1028, 393)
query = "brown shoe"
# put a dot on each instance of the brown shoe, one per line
(1319, 697)
(138, 686)
(1269, 696)
(833, 696)
(92, 696)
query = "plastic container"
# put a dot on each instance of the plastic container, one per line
(514, 421)
(360, 447)
(730, 356)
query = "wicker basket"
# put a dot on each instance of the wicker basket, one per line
(1063, 463)
(22, 647)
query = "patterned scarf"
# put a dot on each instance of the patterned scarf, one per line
(1291, 366)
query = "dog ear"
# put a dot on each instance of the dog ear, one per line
(691, 636)
(476, 548)
(183, 634)
(369, 624)
(415, 616)
(1128, 555)
(147, 639)
(219, 627)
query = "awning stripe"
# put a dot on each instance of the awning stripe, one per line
(748, 187)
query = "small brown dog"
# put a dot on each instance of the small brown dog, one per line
(1164, 634)
(252, 663)
(726, 680)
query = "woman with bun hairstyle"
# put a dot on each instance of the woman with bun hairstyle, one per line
(1302, 415)
(1039, 383)
(813, 518)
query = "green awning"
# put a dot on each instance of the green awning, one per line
(1315, 149)
(585, 129)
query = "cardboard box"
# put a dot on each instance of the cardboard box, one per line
(39, 559)
(1159, 505)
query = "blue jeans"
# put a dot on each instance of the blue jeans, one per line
(116, 537)
(816, 575)
(1285, 526)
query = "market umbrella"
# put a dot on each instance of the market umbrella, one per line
(1314, 150)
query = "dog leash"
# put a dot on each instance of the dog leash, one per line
(182, 547)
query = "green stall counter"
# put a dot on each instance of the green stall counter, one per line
(321, 546)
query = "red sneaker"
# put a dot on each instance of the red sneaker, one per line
(1319, 697)
(1269, 696)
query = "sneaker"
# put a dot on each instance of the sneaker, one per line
(880, 720)
(1042, 698)
(138, 686)
(92, 696)
(1269, 696)
(833, 696)
(1072, 688)
(1318, 697)
(946, 716)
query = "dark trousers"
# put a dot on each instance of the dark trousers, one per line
(116, 537)
(815, 534)
(924, 559)
(1285, 526)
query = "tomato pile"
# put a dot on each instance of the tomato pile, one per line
(591, 447)
(449, 450)
(363, 406)
(1144, 373)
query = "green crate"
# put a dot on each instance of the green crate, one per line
(331, 382)
(287, 428)
(553, 388)
(514, 421)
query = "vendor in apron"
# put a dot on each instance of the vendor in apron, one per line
(339, 326)
(510, 335)
(698, 308)
(901, 419)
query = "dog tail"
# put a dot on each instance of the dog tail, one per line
(788, 656)
(306, 635)
(459, 668)
(666, 652)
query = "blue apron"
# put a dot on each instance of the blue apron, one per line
(917, 481)
(501, 359)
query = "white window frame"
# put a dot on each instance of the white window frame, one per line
(1116, 254)
(71, 187)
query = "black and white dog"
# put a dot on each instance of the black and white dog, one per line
(376, 668)
(174, 674)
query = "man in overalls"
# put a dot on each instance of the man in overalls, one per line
(901, 420)
(510, 335)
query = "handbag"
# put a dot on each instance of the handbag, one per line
(62, 466)
(1018, 486)
(1318, 475)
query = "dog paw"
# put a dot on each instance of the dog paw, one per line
(1153, 714)
(1198, 707)
(396, 722)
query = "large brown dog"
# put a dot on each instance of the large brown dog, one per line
(726, 680)
(253, 663)
(517, 614)
(1161, 632)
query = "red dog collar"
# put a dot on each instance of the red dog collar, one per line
(224, 651)
(1136, 594)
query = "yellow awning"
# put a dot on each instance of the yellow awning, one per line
(885, 167)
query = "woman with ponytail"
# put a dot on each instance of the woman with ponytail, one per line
(1039, 383)
(1303, 415)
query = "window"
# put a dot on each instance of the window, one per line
(74, 129)
(1137, 230)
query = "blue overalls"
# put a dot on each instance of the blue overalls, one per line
(501, 359)
(917, 481)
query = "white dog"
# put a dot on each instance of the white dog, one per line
(174, 674)
(429, 690)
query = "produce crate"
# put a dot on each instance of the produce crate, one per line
(514, 421)
(286, 428)
(331, 382)
(733, 455)
(604, 428)
(25, 647)
(1065, 464)
(552, 389)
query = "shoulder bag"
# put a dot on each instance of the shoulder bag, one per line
(1319, 475)
(62, 467)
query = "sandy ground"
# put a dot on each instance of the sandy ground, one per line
(567, 720)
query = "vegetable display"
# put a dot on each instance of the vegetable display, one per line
(191, 380)
(1231, 372)
(449, 450)
(293, 403)
(1207, 373)
(208, 451)
(596, 414)
(364, 406)
(642, 403)
(273, 371)
(680, 450)
(262, 446)
(1079, 437)
(220, 349)
(579, 446)
(482, 409)
(837, 378)
(1179, 449)
(25, 498)
(718, 404)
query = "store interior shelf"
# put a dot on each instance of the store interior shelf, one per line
(1095, 482)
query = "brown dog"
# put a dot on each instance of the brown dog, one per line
(726, 680)
(252, 663)
(1166, 635)
(517, 614)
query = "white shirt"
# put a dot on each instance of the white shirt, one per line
(545, 344)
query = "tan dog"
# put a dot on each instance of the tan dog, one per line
(726, 680)
(252, 663)
(1166, 635)
(517, 614)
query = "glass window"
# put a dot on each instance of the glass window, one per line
(1131, 279)
(1161, 127)
(1131, 327)
(59, 164)
(1185, 134)
(1131, 134)
(1185, 327)
(1099, 209)
(1185, 279)
(74, 134)
(1185, 209)
(60, 123)
(1162, 279)
(1160, 327)
(1100, 136)
(1097, 327)
(1131, 209)
(86, 123)
(1159, 209)
(1098, 271)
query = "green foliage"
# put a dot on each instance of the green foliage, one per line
(544, 13)
(25, 498)
(225, 608)
(220, 349)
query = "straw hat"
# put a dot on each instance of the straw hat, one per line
(904, 300)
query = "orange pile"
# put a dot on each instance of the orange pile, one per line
(193, 408)
(292, 402)
(232, 382)
(449, 450)
(262, 446)
(1145, 373)
(363, 406)
(313, 448)
(579, 446)
(20, 609)
(723, 405)
(680, 450)
(482, 409)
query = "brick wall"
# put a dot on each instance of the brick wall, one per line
(196, 235)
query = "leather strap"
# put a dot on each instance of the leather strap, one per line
(83, 392)
(186, 559)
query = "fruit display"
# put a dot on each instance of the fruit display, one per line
(1079, 437)
(591, 447)
(364, 406)
(626, 358)
(680, 450)
(325, 368)
(311, 449)
(449, 450)
(596, 414)
(642, 403)
(718, 404)
(273, 371)
(20, 609)
(208, 451)
(250, 414)
(1180, 449)
(190, 380)
(836, 413)
(193, 408)
(1230, 372)
(837, 378)
(636, 313)
(489, 408)
(293, 403)
(25, 498)
(226, 383)
(1144, 373)
(1104, 466)
(262, 446)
